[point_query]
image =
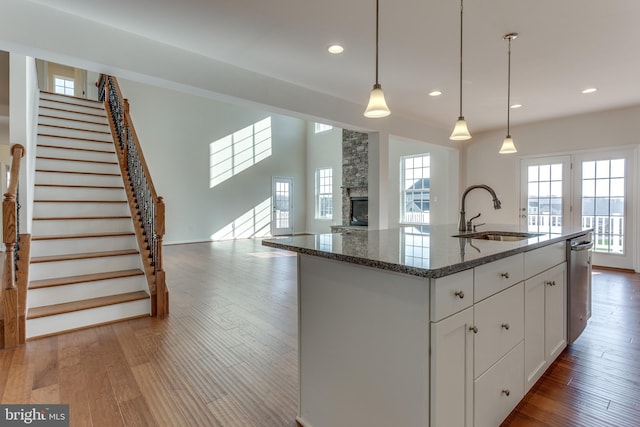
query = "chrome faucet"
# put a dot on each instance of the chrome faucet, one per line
(462, 223)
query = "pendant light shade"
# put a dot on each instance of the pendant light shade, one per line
(377, 106)
(508, 145)
(460, 130)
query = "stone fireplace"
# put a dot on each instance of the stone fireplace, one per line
(355, 174)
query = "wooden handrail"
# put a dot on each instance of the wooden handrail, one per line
(141, 192)
(9, 292)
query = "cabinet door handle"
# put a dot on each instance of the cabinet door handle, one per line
(506, 392)
(459, 294)
(474, 329)
(506, 326)
(505, 275)
(550, 282)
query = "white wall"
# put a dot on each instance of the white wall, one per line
(324, 150)
(175, 130)
(444, 180)
(559, 136)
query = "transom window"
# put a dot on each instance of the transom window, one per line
(415, 193)
(324, 193)
(321, 127)
(64, 85)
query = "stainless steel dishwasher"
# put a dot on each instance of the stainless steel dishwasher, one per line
(578, 284)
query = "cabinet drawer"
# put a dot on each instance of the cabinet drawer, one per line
(500, 389)
(451, 294)
(498, 275)
(500, 323)
(541, 259)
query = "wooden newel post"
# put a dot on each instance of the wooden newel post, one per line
(9, 288)
(162, 294)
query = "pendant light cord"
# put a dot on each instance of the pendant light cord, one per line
(377, 19)
(461, 9)
(509, 87)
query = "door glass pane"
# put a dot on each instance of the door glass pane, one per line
(544, 200)
(603, 203)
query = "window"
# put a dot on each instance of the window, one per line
(321, 127)
(603, 203)
(324, 193)
(544, 200)
(63, 85)
(415, 193)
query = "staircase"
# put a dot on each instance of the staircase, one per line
(85, 267)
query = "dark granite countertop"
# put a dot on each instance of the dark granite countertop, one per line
(425, 251)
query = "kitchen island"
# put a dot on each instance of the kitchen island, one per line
(414, 327)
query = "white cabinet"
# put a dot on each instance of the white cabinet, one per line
(545, 321)
(452, 371)
(500, 323)
(499, 390)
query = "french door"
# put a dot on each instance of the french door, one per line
(545, 204)
(282, 213)
(589, 190)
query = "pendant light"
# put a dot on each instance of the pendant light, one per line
(377, 106)
(460, 130)
(508, 146)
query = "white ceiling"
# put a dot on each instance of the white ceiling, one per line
(564, 46)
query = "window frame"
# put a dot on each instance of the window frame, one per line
(64, 86)
(403, 191)
(323, 191)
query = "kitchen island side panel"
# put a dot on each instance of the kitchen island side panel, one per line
(364, 345)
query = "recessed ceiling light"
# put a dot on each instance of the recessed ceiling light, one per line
(516, 105)
(335, 49)
(435, 93)
(590, 90)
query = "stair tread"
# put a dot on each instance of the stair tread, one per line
(71, 111)
(73, 120)
(102, 187)
(60, 147)
(77, 201)
(64, 159)
(69, 307)
(70, 128)
(94, 277)
(93, 101)
(86, 255)
(79, 218)
(97, 107)
(75, 138)
(78, 172)
(83, 236)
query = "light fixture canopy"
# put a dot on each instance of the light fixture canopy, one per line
(460, 130)
(508, 145)
(377, 106)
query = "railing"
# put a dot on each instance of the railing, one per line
(146, 205)
(12, 305)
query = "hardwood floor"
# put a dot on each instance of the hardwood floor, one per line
(227, 354)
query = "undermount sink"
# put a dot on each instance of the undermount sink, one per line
(500, 236)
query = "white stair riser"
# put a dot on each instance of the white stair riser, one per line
(78, 179)
(70, 99)
(74, 133)
(81, 245)
(75, 143)
(84, 226)
(86, 290)
(76, 124)
(72, 107)
(78, 319)
(66, 165)
(58, 209)
(77, 154)
(72, 193)
(50, 270)
(91, 117)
